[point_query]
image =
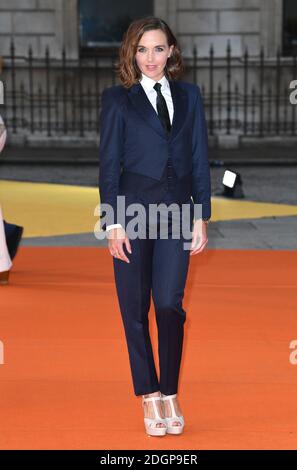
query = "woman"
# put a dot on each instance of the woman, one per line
(153, 150)
(5, 261)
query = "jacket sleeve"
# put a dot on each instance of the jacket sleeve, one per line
(201, 181)
(111, 146)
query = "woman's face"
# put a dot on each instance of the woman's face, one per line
(152, 53)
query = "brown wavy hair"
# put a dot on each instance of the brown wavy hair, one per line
(127, 68)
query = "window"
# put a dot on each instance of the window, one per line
(102, 23)
(290, 27)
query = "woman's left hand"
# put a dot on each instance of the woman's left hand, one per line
(199, 234)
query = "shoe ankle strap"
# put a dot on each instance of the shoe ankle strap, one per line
(167, 397)
(150, 399)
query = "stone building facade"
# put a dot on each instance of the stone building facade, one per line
(241, 100)
(250, 23)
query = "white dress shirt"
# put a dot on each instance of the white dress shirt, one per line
(148, 86)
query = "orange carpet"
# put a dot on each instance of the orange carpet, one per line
(65, 376)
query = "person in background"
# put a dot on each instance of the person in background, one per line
(5, 260)
(10, 234)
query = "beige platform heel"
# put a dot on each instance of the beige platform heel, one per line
(171, 429)
(151, 423)
(4, 276)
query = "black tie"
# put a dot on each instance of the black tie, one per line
(162, 108)
(165, 120)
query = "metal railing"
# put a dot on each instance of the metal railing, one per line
(246, 95)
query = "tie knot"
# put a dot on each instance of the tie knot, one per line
(157, 86)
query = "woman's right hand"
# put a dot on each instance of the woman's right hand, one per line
(116, 239)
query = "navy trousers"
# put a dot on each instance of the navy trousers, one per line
(158, 268)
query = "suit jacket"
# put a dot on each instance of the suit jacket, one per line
(134, 147)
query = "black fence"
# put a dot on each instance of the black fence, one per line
(246, 95)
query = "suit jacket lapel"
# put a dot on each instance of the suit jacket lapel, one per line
(180, 105)
(145, 109)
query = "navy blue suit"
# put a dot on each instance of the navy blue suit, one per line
(140, 160)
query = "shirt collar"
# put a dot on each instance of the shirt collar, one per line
(148, 83)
